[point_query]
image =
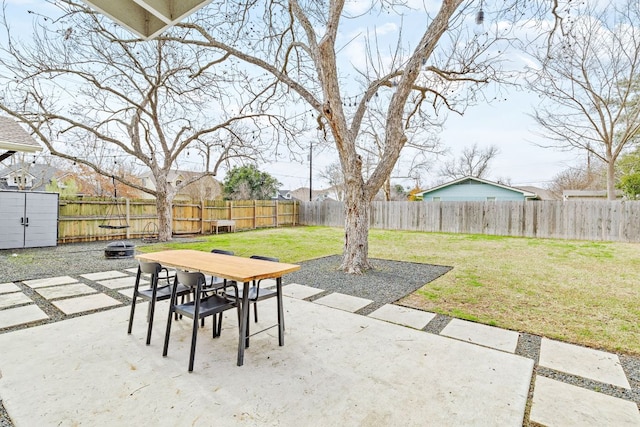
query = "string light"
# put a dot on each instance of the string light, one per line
(480, 15)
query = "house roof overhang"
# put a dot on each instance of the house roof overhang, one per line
(526, 194)
(147, 18)
(14, 138)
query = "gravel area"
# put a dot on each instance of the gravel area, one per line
(387, 283)
(62, 260)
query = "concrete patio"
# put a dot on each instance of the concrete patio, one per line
(336, 368)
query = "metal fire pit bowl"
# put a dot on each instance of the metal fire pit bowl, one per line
(119, 250)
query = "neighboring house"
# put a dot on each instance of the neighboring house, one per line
(542, 193)
(302, 194)
(474, 189)
(283, 195)
(27, 176)
(206, 188)
(588, 195)
(14, 138)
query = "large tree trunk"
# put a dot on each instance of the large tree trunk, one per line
(356, 233)
(611, 181)
(164, 202)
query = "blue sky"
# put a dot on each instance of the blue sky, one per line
(505, 124)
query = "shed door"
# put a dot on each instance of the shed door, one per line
(42, 212)
(11, 215)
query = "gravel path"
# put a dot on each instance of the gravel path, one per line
(389, 282)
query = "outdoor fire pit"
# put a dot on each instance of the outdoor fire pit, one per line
(118, 250)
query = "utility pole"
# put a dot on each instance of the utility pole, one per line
(311, 170)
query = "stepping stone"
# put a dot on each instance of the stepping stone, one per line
(293, 290)
(15, 298)
(21, 315)
(121, 282)
(132, 270)
(88, 303)
(66, 291)
(128, 293)
(104, 275)
(488, 336)
(559, 404)
(583, 362)
(343, 302)
(50, 281)
(5, 288)
(403, 316)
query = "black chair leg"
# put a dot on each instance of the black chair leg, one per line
(215, 325)
(255, 311)
(133, 310)
(194, 336)
(133, 303)
(165, 349)
(152, 305)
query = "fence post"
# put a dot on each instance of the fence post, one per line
(201, 216)
(276, 221)
(255, 214)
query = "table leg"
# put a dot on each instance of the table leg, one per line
(280, 311)
(243, 323)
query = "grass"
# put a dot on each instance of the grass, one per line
(576, 291)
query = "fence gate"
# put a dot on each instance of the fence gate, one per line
(28, 219)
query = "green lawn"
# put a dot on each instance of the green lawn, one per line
(580, 292)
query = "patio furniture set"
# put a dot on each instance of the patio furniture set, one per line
(207, 284)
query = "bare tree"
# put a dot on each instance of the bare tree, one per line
(586, 79)
(93, 96)
(301, 45)
(578, 178)
(473, 161)
(333, 175)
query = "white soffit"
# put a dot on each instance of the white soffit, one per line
(147, 18)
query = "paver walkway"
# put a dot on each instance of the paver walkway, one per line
(553, 403)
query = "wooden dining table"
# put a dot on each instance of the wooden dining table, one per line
(240, 269)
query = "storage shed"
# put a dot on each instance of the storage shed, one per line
(29, 219)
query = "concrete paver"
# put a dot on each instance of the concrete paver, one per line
(343, 302)
(325, 374)
(128, 292)
(6, 288)
(122, 282)
(457, 399)
(295, 290)
(14, 298)
(104, 275)
(66, 290)
(559, 404)
(19, 316)
(488, 336)
(583, 362)
(50, 281)
(403, 316)
(88, 303)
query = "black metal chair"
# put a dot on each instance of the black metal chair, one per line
(258, 294)
(154, 292)
(202, 306)
(213, 282)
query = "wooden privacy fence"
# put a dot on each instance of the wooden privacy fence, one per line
(85, 219)
(580, 220)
